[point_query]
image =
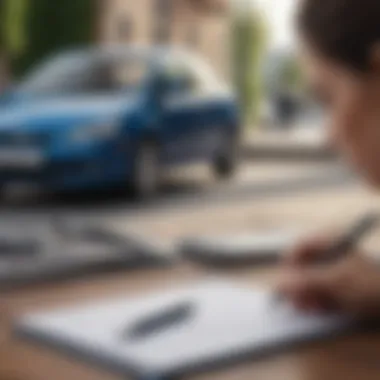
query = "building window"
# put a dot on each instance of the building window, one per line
(162, 20)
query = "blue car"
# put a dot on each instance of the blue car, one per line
(100, 117)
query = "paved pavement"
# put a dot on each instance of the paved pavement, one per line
(298, 142)
(189, 193)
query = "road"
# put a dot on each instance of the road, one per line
(192, 190)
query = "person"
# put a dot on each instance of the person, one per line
(340, 51)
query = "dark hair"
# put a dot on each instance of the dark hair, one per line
(343, 30)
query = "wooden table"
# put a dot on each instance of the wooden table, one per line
(353, 357)
(346, 358)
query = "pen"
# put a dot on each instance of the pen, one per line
(343, 246)
(162, 320)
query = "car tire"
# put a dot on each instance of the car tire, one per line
(2, 193)
(226, 162)
(146, 173)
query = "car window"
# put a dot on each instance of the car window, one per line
(87, 73)
(116, 75)
(178, 80)
(195, 77)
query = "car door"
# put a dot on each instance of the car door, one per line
(181, 116)
(211, 99)
(206, 106)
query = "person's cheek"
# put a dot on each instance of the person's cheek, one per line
(362, 119)
(333, 133)
(357, 136)
(351, 128)
(341, 133)
(340, 114)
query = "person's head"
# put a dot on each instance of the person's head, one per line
(341, 46)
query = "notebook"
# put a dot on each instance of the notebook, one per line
(228, 323)
(241, 249)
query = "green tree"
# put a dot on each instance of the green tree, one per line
(13, 41)
(54, 25)
(290, 75)
(249, 36)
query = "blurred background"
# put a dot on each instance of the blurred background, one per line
(123, 111)
(54, 83)
(249, 44)
(99, 95)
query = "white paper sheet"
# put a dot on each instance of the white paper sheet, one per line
(228, 321)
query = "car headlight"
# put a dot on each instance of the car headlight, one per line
(95, 132)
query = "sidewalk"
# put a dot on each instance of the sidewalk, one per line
(297, 143)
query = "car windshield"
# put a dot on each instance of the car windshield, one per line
(82, 73)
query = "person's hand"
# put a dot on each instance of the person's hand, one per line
(351, 285)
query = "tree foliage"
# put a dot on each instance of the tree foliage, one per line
(50, 26)
(291, 76)
(249, 36)
(13, 14)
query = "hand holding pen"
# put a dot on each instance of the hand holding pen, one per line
(330, 274)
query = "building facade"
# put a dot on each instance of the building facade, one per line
(199, 25)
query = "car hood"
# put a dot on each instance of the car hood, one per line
(62, 112)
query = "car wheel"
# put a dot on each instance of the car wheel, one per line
(146, 171)
(227, 159)
(2, 193)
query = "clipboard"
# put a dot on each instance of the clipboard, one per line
(229, 324)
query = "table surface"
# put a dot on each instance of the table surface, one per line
(350, 357)
(343, 358)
